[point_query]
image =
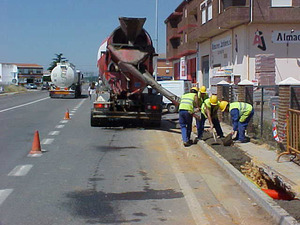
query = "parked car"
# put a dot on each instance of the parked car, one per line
(31, 86)
(45, 86)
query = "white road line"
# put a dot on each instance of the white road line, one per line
(72, 111)
(71, 114)
(21, 170)
(47, 141)
(64, 121)
(18, 106)
(59, 126)
(52, 133)
(192, 202)
(4, 194)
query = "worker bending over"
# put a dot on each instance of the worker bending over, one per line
(209, 110)
(241, 113)
(202, 96)
(188, 102)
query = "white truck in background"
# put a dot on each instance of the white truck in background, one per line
(66, 81)
(177, 87)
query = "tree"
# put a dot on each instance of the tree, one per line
(59, 58)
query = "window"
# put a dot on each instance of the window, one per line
(203, 12)
(185, 13)
(185, 37)
(209, 11)
(281, 3)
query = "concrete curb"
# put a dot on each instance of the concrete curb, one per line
(278, 213)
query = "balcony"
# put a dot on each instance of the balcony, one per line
(186, 28)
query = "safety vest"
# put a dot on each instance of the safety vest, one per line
(187, 102)
(201, 100)
(213, 110)
(244, 109)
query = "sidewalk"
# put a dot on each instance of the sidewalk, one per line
(288, 173)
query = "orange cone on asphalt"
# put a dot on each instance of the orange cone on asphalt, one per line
(67, 115)
(36, 146)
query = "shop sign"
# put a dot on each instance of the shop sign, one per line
(221, 44)
(289, 36)
(182, 74)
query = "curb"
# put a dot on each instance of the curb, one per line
(278, 213)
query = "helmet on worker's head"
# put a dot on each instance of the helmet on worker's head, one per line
(203, 89)
(223, 105)
(213, 100)
(194, 89)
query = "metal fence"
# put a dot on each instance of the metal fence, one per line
(263, 99)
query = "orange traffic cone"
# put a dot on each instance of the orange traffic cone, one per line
(36, 146)
(67, 115)
(277, 194)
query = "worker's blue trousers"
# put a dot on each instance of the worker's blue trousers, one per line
(200, 126)
(242, 128)
(185, 122)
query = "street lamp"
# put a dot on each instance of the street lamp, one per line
(156, 39)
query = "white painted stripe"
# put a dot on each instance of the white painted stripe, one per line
(73, 111)
(47, 141)
(4, 194)
(64, 121)
(52, 133)
(29, 103)
(20, 170)
(192, 202)
(59, 126)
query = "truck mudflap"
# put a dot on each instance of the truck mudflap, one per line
(62, 94)
(111, 119)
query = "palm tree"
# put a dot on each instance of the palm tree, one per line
(59, 58)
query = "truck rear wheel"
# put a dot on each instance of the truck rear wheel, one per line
(172, 108)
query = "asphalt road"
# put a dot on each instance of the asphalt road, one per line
(89, 175)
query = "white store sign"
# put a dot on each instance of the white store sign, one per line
(286, 36)
(221, 44)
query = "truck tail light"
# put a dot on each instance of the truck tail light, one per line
(101, 106)
(152, 107)
(66, 88)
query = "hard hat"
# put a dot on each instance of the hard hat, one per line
(203, 89)
(195, 88)
(223, 105)
(213, 100)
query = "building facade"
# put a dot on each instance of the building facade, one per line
(21, 73)
(234, 40)
(164, 68)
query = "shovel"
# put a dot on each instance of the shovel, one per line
(215, 139)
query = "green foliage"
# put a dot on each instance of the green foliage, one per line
(14, 88)
(59, 58)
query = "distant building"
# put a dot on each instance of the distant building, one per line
(20, 73)
(213, 40)
(164, 68)
(8, 73)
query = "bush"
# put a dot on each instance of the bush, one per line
(14, 88)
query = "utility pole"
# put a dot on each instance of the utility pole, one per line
(156, 36)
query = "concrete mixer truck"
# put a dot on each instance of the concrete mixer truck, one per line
(66, 81)
(125, 63)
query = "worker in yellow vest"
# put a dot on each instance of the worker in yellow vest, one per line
(202, 96)
(188, 102)
(209, 110)
(241, 113)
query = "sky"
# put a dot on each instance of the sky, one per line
(33, 31)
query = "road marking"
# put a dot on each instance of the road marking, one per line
(21, 170)
(4, 194)
(71, 114)
(52, 133)
(192, 202)
(18, 106)
(47, 141)
(64, 121)
(59, 126)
